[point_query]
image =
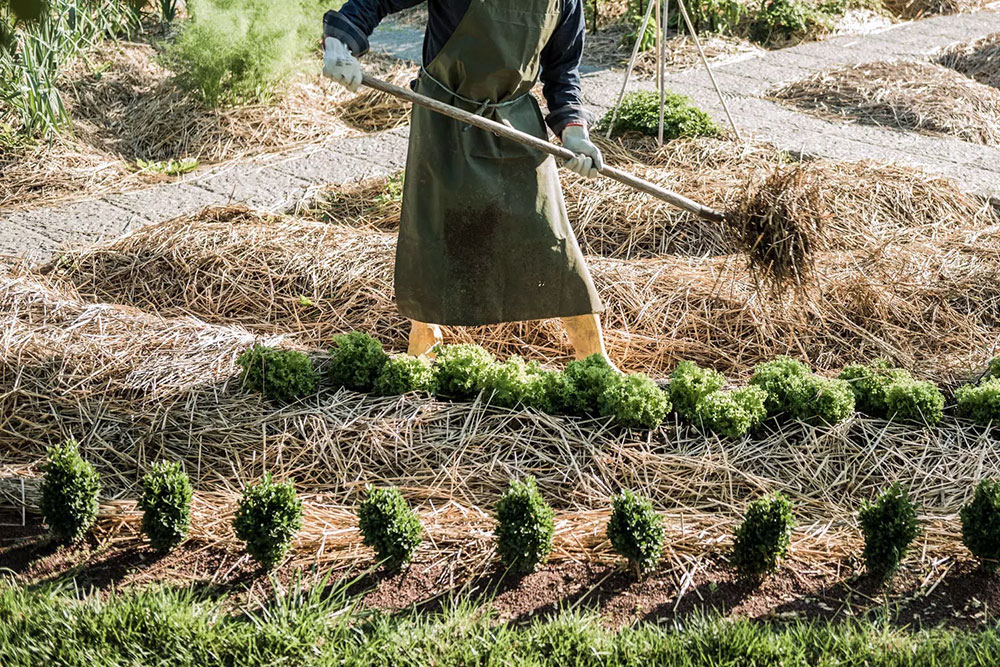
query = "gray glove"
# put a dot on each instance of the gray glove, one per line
(588, 160)
(340, 65)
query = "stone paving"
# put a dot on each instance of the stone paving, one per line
(281, 182)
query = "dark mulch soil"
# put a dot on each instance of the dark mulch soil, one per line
(956, 593)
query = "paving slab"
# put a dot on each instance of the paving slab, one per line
(258, 186)
(327, 165)
(167, 201)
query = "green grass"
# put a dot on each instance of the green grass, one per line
(162, 626)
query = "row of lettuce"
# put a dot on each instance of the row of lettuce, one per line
(781, 388)
(269, 515)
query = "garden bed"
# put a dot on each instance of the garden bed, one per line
(909, 95)
(979, 60)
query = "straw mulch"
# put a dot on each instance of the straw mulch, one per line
(375, 111)
(135, 388)
(979, 60)
(911, 95)
(134, 109)
(915, 9)
(933, 306)
(863, 204)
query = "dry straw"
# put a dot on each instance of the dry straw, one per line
(911, 95)
(979, 60)
(915, 9)
(374, 111)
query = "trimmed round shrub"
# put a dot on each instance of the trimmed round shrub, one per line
(524, 527)
(780, 378)
(635, 401)
(69, 492)
(460, 370)
(403, 374)
(268, 517)
(889, 525)
(870, 382)
(762, 539)
(356, 361)
(980, 403)
(165, 502)
(689, 384)
(389, 526)
(636, 530)
(981, 524)
(916, 401)
(733, 413)
(588, 379)
(281, 375)
(640, 112)
(820, 400)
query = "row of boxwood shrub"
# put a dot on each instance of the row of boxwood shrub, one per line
(269, 515)
(782, 388)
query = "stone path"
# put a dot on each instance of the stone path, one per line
(279, 182)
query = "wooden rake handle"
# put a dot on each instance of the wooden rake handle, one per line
(507, 132)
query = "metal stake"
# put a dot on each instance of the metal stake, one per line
(631, 64)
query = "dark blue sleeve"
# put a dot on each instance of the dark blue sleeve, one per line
(560, 62)
(357, 20)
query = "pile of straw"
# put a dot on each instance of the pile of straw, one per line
(915, 9)
(375, 111)
(930, 305)
(910, 95)
(135, 388)
(979, 60)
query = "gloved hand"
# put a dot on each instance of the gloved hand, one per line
(340, 65)
(588, 159)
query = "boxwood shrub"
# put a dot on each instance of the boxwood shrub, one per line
(635, 530)
(69, 491)
(980, 403)
(389, 526)
(762, 539)
(281, 375)
(640, 112)
(780, 378)
(403, 374)
(460, 370)
(635, 401)
(689, 384)
(524, 527)
(889, 525)
(870, 383)
(981, 524)
(165, 502)
(268, 517)
(915, 401)
(588, 379)
(356, 361)
(733, 413)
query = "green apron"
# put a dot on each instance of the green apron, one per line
(484, 236)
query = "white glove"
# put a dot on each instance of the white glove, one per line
(588, 160)
(340, 65)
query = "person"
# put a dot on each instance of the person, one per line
(484, 236)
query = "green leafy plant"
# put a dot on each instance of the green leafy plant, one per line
(820, 400)
(166, 505)
(993, 370)
(981, 524)
(648, 38)
(980, 403)
(780, 21)
(722, 17)
(524, 527)
(889, 525)
(507, 384)
(389, 526)
(168, 10)
(780, 378)
(168, 167)
(689, 384)
(915, 400)
(461, 370)
(635, 530)
(870, 383)
(762, 539)
(240, 50)
(634, 401)
(69, 492)
(280, 374)
(402, 374)
(268, 517)
(588, 379)
(392, 193)
(356, 361)
(640, 112)
(733, 413)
